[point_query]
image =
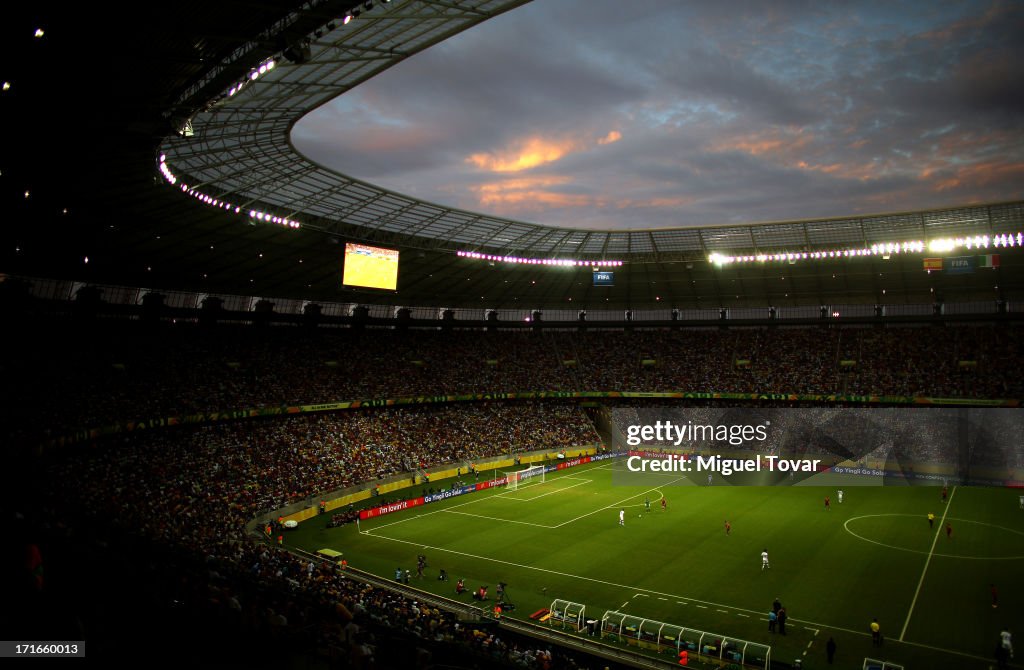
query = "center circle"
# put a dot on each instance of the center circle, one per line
(920, 519)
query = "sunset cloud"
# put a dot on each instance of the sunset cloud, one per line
(563, 114)
(525, 155)
(524, 195)
(533, 152)
(771, 142)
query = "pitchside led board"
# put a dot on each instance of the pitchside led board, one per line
(604, 279)
(370, 267)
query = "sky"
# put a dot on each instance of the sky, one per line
(660, 113)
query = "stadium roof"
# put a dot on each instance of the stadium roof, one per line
(223, 127)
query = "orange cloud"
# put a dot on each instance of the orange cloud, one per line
(526, 194)
(657, 203)
(982, 174)
(534, 151)
(529, 195)
(769, 143)
(531, 153)
(862, 171)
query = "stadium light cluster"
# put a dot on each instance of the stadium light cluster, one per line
(560, 262)
(269, 64)
(254, 214)
(977, 242)
(886, 249)
(254, 74)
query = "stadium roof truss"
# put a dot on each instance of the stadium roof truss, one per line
(235, 148)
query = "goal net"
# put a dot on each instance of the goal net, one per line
(531, 475)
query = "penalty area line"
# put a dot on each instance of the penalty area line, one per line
(614, 505)
(494, 518)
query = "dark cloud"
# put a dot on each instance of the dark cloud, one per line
(661, 113)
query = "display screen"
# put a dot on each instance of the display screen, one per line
(370, 267)
(604, 279)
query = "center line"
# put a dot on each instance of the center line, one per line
(929, 560)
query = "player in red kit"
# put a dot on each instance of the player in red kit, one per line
(828, 504)
(949, 530)
(664, 504)
(728, 528)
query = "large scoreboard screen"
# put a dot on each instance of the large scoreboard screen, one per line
(370, 267)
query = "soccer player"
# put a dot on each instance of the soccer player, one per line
(647, 503)
(764, 560)
(840, 496)
(728, 527)
(1022, 502)
(949, 531)
(876, 633)
(931, 520)
(995, 595)
(1006, 640)
(622, 517)
(664, 504)
(709, 479)
(828, 504)
(945, 491)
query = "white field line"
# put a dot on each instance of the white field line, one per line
(613, 505)
(494, 518)
(684, 599)
(917, 591)
(479, 497)
(510, 494)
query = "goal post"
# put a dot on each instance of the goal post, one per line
(532, 475)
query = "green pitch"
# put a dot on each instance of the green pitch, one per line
(872, 556)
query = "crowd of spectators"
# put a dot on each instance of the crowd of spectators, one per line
(231, 470)
(117, 372)
(191, 491)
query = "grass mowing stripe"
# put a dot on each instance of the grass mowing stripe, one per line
(623, 586)
(917, 591)
(812, 543)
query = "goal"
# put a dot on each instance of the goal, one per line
(531, 475)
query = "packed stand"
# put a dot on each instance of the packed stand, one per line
(190, 492)
(122, 371)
